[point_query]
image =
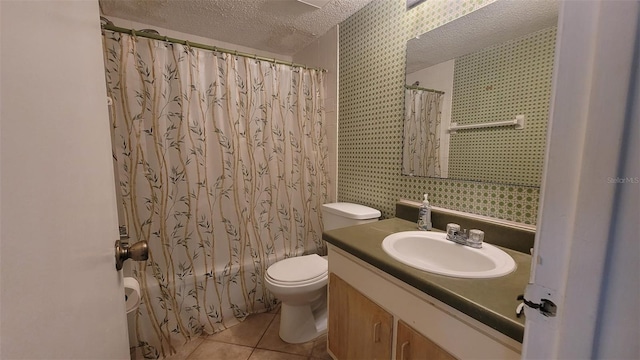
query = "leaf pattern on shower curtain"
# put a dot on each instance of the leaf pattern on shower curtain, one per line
(221, 164)
(421, 153)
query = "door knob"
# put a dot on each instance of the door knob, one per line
(138, 252)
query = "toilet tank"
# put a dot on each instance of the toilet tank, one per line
(343, 214)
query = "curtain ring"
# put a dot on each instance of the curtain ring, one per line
(133, 35)
(186, 42)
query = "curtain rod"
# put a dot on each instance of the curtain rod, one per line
(153, 36)
(424, 89)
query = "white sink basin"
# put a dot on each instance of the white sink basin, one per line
(431, 251)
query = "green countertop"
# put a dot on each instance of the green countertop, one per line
(490, 301)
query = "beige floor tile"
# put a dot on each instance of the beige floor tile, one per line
(246, 333)
(271, 341)
(261, 354)
(319, 350)
(210, 349)
(185, 350)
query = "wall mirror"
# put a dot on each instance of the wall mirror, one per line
(492, 66)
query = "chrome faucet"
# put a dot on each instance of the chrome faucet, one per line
(471, 238)
(458, 236)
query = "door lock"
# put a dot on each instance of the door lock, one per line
(138, 252)
(546, 306)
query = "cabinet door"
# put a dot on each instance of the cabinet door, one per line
(413, 345)
(358, 327)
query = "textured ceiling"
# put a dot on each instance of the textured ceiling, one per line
(495, 23)
(279, 26)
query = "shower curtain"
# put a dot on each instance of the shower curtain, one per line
(421, 152)
(221, 164)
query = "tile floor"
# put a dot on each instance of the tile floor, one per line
(256, 338)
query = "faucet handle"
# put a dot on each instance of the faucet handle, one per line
(452, 229)
(476, 237)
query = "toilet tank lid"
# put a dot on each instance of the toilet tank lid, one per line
(352, 211)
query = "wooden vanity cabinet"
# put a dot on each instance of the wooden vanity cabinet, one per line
(361, 329)
(373, 315)
(413, 345)
(358, 328)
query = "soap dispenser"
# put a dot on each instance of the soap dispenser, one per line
(424, 216)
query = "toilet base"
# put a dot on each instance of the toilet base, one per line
(302, 323)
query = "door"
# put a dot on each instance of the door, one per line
(586, 251)
(410, 344)
(358, 328)
(61, 296)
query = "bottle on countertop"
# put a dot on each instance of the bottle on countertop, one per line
(424, 216)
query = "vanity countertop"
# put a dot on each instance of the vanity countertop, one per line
(490, 301)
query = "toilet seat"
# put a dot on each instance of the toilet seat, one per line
(298, 271)
(316, 279)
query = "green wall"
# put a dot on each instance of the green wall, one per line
(371, 108)
(494, 84)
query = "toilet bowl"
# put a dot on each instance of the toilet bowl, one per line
(300, 283)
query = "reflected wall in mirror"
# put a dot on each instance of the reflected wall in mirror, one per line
(492, 65)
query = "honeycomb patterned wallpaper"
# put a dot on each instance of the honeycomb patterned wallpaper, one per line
(495, 84)
(371, 104)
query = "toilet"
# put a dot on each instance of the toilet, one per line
(300, 283)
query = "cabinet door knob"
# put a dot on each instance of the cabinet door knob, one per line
(376, 331)
(402, 348)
